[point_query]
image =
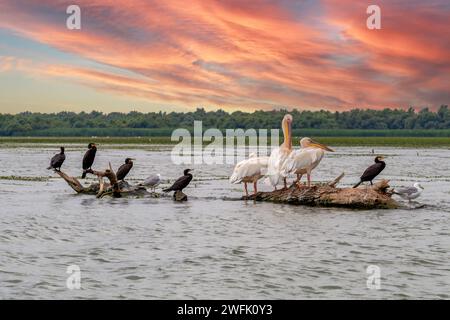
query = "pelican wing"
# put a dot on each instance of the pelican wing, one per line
(316, 156)
(274, 167)
(248, 168)
(299, 159)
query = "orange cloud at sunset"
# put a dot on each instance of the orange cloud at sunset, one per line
(237, 54)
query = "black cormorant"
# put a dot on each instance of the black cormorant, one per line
(372, 171)
(88, 159)
(181, 183)
(57, 160)
(124, 169)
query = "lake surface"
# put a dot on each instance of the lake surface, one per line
(212, 248)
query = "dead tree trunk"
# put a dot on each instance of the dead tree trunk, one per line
(324, 195)
(101, 189)
(112, 188)
(327, 195)
(72, 182)
(179, 196)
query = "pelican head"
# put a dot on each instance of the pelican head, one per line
(286, 123)
(308, 142)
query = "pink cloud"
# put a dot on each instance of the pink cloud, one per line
(254, 54)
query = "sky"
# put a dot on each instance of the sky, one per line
(171, 55)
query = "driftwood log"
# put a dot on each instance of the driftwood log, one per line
(377, 196)
(112, 188)
(179, 196)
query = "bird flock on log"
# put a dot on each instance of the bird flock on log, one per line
(283, 162)
(150, 182)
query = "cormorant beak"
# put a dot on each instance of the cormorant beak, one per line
(320, 146)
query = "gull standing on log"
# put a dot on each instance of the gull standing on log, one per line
(410, 193)
(249, 171)
(280, 154)
(152, 181)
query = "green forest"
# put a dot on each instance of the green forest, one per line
(356, 122)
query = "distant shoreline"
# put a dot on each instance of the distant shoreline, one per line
(132, 133)
(323, 123)
(357, 141)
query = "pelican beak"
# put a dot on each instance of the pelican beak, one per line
(287, 126)
(321, 146)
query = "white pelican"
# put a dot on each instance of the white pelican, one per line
(305, 159)
(279, 155)
(249, 170)
(410, 193)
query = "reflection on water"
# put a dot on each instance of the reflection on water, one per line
(212, 248)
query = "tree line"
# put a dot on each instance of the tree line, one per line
(162, 123)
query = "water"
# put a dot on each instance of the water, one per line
(211, 248)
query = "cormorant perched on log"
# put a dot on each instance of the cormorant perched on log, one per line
(372, 171)
(57, 160)
(124, 169)
(88, 158)
(181, 183)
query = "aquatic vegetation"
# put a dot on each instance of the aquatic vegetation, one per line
(21, 178)
(157, 142)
